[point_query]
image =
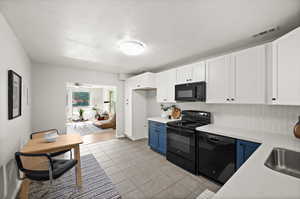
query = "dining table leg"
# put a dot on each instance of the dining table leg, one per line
(24, 192)
(78, 165)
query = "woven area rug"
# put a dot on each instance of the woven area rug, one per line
(95, 184)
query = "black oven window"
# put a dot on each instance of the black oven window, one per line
(179, 142)
(185, 93)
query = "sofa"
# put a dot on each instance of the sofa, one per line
(105, 124)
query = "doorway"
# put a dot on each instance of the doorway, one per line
(91, 111)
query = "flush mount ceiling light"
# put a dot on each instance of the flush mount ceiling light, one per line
(132, 47)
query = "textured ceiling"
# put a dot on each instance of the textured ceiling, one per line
(85, 33)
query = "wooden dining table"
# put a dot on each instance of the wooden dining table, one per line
(63, 142)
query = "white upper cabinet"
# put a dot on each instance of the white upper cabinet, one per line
(237, 78)
(198, 71)
(286, 69)
(190, 73)
(184, 74)
(249, 76)
(217, 76)
(165, 82)
(143, 81)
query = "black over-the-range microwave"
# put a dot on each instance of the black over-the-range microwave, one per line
(191, 92)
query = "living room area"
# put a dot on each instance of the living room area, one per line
(91, 111)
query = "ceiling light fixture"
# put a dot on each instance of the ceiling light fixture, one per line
(132, 47)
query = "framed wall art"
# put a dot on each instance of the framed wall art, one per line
(14, 95)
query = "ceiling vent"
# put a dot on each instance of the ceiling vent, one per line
(263, 33)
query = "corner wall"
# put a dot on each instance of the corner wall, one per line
(13, 133)
(49, 94)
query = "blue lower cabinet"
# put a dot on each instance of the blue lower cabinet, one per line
(157, 137)
(162, 140)
(244, 150)
(153, 139)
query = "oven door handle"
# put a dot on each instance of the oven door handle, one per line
(180, 130)
(214, 140)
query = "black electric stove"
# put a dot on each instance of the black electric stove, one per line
(181, 138)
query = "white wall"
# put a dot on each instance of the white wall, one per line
(96, 97)
(274, 119)
(49, 94)
(153, 108)
(12, 132)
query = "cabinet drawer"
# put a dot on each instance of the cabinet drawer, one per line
(157, 127)
(153, 124)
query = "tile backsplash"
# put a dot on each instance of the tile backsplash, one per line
(269, 118)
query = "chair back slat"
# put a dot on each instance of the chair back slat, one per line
(35, 163)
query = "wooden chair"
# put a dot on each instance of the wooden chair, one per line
(40, 134)
(44, 168)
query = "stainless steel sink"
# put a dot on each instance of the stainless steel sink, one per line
(284, 161)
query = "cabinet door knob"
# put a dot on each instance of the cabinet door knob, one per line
(273, 99)
(227, 99)
(232, 99)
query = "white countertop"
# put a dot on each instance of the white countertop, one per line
(253, 179)
(162, 120)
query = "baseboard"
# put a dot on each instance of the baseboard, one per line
(4, 180)
(127, 136)
(120, 136)
(17, 189)
(134, 138)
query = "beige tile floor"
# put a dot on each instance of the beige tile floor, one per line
(138, 172)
